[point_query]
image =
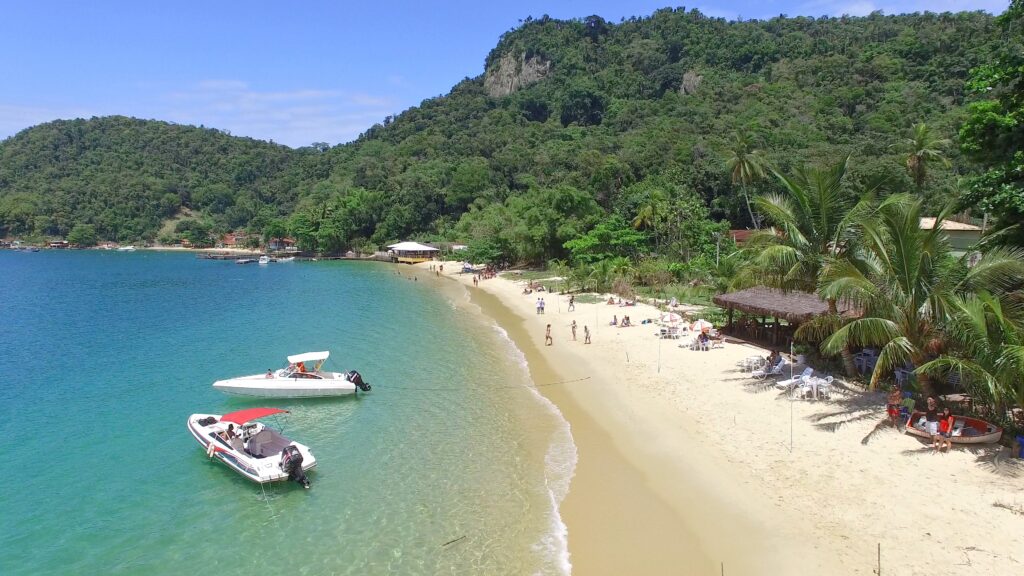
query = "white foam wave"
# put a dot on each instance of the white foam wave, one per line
(559, 466)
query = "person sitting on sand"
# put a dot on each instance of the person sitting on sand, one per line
(611, 300)
(625, 322)
(615, 321)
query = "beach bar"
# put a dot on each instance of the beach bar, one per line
(411, 252)
(794, 307)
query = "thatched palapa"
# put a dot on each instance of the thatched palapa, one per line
(795, 307)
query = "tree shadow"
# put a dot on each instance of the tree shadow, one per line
(992, 458)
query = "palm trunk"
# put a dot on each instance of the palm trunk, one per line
(847, 356)
(753, 220)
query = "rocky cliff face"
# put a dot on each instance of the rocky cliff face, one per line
(513, 72)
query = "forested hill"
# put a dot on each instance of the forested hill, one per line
(125, 176)
(571, 122)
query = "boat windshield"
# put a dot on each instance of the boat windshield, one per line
(304, 370)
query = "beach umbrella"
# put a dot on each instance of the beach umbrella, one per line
(670, 318)
(701, 325)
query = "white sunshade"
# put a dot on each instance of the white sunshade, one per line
(309, 357)
(412, 247)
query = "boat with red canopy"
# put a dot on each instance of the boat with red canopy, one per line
(253, 449)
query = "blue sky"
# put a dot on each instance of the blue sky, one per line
(292, 72)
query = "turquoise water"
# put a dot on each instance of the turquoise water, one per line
(105, 354)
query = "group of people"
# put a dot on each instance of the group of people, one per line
(540, 305)
(938, 422)
(548, 340)
(625, 323)
(612, 301)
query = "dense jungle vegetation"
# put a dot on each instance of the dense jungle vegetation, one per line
(648, 136)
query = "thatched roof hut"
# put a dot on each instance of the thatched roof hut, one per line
(794, 307)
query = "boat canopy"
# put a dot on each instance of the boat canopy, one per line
(309, 357)
(243, 416)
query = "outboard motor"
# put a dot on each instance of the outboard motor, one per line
(291, 462)
(357, 379)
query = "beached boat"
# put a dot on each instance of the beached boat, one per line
(254, 450)
(302, 378)
(965, 430)
(264, 260)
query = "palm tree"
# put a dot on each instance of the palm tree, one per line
(745, 164)
(988, 335)
(923, 148)
(905, 282)
(812, 226)
(649, 214)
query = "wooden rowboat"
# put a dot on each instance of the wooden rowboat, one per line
(966, 430)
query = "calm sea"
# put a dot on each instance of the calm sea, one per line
(105, 354)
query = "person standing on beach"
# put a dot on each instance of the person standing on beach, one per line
(547, 337)
(573, 330)
(586, 335)
(538, 306)
(572, 303)
(931, 416)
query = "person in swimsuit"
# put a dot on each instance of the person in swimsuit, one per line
(892, 405)
(946, 428)
(547, 337)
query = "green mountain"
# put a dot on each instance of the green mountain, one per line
(572, 123)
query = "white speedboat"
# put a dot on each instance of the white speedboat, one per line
(302, 378)
(254, 450)
(264, 260)
(126, 249)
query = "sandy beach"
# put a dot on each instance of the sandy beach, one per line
(687, 465)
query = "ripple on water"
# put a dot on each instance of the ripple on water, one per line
(118, 349)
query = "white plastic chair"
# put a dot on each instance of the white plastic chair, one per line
(794, 381)
(825, 388)
(761, 373)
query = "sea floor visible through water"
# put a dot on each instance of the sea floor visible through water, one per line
(452, 464)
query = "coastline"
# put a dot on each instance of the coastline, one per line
(684, 467)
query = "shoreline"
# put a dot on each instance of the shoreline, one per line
(683, 466)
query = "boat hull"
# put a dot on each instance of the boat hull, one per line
(259, 470)
(262, 387)
(977, 431)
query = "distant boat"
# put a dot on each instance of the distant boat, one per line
(288, 259)
(965, 430)
(245, 261)
(126, 249)
(296, 381)
(264, 260)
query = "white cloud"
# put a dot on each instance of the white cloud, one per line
(296, 117)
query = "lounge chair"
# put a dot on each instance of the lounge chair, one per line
(789, 383)
(776, 370)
